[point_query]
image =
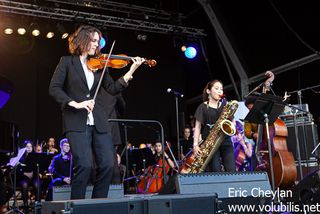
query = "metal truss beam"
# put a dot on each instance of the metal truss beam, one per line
(227, 46)
(100, 20)
(126, 9)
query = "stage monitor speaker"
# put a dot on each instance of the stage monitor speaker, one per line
(307, 191)
(311, 136)
(232, 188)
(186, 204)
(137, 204)
(63, 192)
(94, 206)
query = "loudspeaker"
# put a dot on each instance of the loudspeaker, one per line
(186, 204)
(311, 136)
(232, 188)
(63, 192)
(137, 204)
(92, 206)
(308, 190)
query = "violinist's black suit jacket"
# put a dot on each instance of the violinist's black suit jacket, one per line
(69, 83)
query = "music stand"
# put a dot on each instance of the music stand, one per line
(142, 158)
(266, 110)
(39, 163)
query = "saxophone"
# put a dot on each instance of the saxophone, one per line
(223, 127)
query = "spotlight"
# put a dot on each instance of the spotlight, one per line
(62, 31)
(190, 52)
(183, 48)
(142, 37)
(8, 31)
(35, 32)
(102, 43)
(50, 35)
(21, 31)
(64, 36)
(34, 28)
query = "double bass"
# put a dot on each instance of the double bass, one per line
(285, 172)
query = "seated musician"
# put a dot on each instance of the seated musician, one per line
(186, 142)
(158, 154)
(50, 146)
(25, 171)
(60, 165)
(60, 168)
(243, 149)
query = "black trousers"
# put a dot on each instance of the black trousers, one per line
(89, 147)
(226, 154)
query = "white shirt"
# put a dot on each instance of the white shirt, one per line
(90, 78)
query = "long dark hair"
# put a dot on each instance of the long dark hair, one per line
(81, 38)
(209, 86)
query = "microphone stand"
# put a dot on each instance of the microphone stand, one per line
(177, 122)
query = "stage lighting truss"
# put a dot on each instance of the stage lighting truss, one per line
(99, 20)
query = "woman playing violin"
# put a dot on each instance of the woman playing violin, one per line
(73, 86)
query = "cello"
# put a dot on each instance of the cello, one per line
(153, 179)
(285, 172)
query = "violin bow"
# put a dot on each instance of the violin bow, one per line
(104, 70)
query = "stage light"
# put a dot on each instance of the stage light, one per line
(190, 52)
(34, 28)
(21, 31)
(142, 37)
(102, 43)
(183, 48)
(8, 31)
(64, 36)
(35, 32)
(62, 31)
(50, 35)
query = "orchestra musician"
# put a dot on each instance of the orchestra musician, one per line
(152, 180)
(60, 167)
(206, 116)
(244, 149)
(158, 154)
(26, 173)
(186, 141)
(73, 86)
(50, 146)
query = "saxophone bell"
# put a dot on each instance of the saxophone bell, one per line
(228, 127)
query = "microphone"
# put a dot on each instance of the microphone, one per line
(176, 93)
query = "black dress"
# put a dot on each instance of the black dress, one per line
(208, 116)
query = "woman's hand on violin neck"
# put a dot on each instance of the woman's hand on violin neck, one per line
(137, 61)
(87, 104)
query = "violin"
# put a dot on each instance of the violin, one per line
(115, 61)
(66, 157)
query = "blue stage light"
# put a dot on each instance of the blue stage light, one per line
(102, 43)
(190, 52)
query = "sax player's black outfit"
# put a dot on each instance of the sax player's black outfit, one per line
(208, 117)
